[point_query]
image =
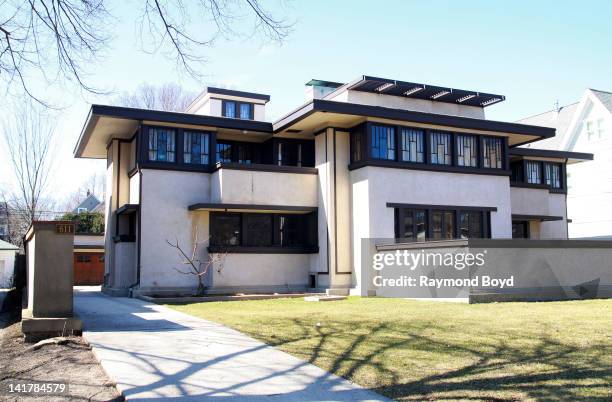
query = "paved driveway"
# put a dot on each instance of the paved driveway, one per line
(153, 352)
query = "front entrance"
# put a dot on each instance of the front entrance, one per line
(88, 269)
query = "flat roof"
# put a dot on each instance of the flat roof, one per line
(122, 122)
(242, 94)
(529, 132)
(416, 90)
(550, 153)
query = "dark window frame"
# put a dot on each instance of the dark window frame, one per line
(450, 146)
(475, 152)
(183, 136)
(391, 152)
(400, 211)
(420, 144)
(363, 132)
(149, 133)
(237, 110)
(307, 231)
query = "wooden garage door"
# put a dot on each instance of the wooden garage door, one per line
(88, 268)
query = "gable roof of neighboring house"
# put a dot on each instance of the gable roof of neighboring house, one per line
(604, 97)
(565, 120)
(91, 202)
(7, 246)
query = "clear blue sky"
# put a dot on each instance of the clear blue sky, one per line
(534, 52)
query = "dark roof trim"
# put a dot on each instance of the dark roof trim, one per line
(549, 153)
(88, 246)
(428, 206)
(179, 118)
(266, 168)
(127, 209)
(321, 105)
(536, 218)
(242, 94)
(254, 207)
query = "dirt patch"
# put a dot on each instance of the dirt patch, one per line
(72, 362)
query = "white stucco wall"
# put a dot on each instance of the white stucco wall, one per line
(530, 201)
(88, 240)
(419, 105)
(555, 229)
(166, 196)
(374, 187)
(261, 271)
(264, 188)
(135, 189)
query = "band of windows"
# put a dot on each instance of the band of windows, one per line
(413, 145)
(424, 224)
(537, 172)
(233, 230)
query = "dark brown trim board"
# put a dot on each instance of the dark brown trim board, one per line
(429, 206)
(543, 218)
(250, 207)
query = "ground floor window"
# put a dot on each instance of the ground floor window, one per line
(520, 230)
(263, 230)
(434, 223)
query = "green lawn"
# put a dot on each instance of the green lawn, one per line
(412, 350)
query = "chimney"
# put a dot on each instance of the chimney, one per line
(318, 89)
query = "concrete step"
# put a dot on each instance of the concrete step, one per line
(337, 292)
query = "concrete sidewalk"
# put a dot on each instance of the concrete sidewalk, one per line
(153, 352)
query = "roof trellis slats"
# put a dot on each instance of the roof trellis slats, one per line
(423, 91)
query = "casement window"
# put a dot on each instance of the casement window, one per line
(357, 144)
(263, 230)
(226, 229)
(467, 150)
(590, 129)
(224, 152)
(413, 147)
(440, 148)
(162, 145)
(412, 224)
(520, 230)
(294, 153)
(258, 230)
(443, 225)
(383, 142)
(601, 128)
(196, 147)
(552, 175)
(470, 225)
(533, 172)
(289, 229)
(432, 223)
(240, 110)
(492, 153)
(517, 172)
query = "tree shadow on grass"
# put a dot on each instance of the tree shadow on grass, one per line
(547, 370)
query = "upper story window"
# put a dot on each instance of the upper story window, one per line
(601, 128)
(492, 153)
(240, 110)
(552, 175)
(383, 142)
(224, 152)
(413, 148)
(440, 149)
(162, 145)
(467, 151)
(516, 169)
(289, 154)
(196, 147)
(534, 173)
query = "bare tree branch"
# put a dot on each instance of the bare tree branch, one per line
(58, 40)
(169, 97)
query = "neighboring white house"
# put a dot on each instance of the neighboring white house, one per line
(7, 263)
(290, 201)
(584, 126)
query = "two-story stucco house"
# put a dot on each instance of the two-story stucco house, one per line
(290, 201)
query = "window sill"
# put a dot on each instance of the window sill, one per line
(262, 250)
